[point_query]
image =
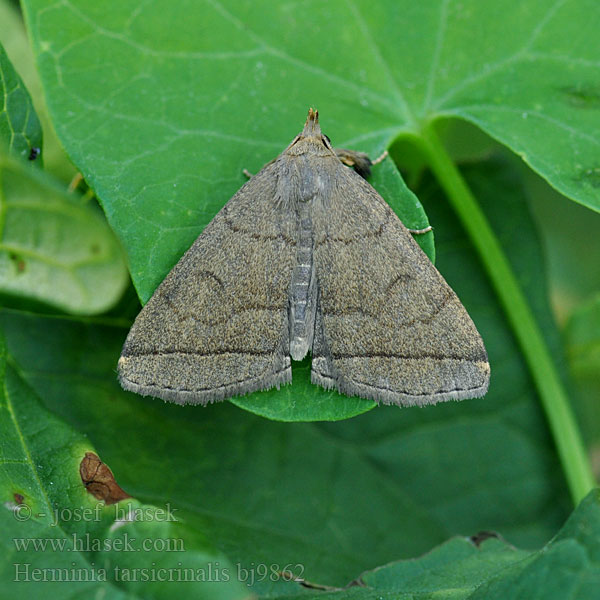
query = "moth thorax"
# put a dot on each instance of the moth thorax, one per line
(303, 289)
(311, 180)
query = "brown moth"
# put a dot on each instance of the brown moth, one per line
(306, 257)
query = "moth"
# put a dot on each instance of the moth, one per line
(306, 257)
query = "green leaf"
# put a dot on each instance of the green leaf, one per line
(20, 129)
(162, 129)
(55, 531)
(453, 570)
(299, 402)
(54, 248)
(583, 338)
(567, 567)
(335, 498)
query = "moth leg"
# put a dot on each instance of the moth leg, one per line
(419, 231)
(250, 175)
(380, 158)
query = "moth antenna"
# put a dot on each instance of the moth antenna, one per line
(311, 128)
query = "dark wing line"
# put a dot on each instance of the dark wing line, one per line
(421, 356)
(194, 353)
(252, 234)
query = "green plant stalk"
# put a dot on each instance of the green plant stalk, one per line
(554, 399)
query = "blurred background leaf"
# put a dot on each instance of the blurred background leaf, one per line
(583, 345)
(18, 48)
(54, 248)
(20, 130)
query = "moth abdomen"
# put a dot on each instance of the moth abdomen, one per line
(302, 289)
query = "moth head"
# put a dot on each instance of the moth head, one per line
(311, 139)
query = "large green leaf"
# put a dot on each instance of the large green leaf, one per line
(161, 123)
(337, 498)
(53, 247)
(20, 129)
(54, 532)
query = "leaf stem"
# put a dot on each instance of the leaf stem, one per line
(553, 396)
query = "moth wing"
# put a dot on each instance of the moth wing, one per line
(217, 326)
(388, 327)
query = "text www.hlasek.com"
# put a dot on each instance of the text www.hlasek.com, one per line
(87, 543)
